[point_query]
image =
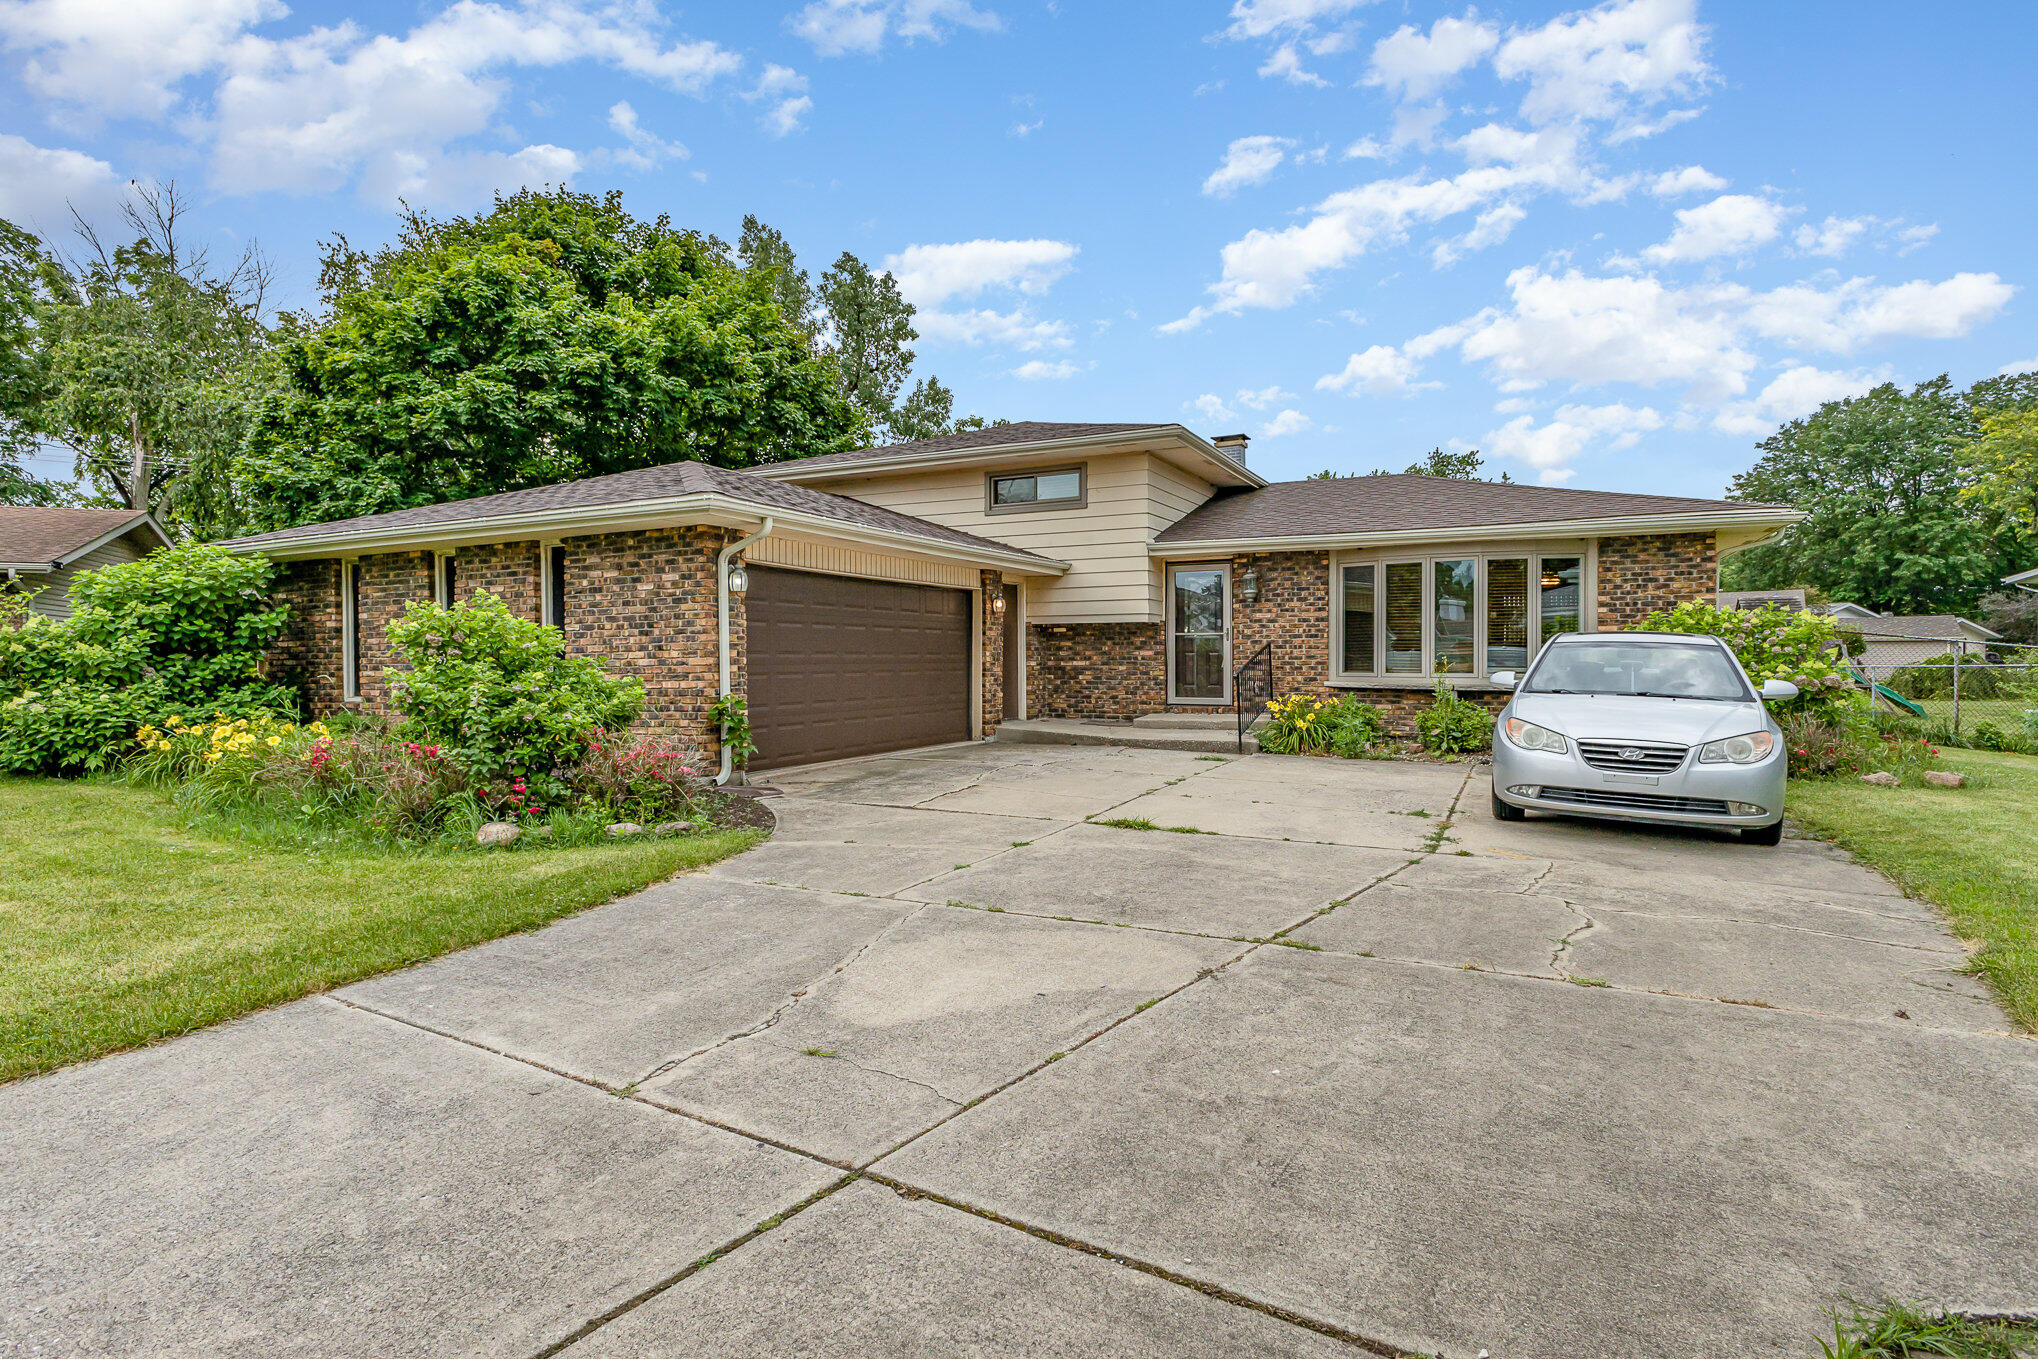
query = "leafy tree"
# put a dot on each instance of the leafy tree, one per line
(1880, 478)
(1463, 466)
(555, 336)
(24, 268)
(2005, 459)
(870, 326)
(762, 248)
(2013, 613)
(928, 412)
(119, 349)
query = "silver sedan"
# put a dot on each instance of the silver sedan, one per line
(1642, 726)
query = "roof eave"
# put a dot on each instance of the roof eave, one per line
(1549, 528)
(700, 507)
(144, 520)
(798, 472)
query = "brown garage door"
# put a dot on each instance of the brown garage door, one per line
(841, 667)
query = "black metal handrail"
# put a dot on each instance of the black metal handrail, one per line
(1253, 684)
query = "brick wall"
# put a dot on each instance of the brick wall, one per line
(1653, 571)
(990, 586)
(509, 571)
(1094, 669)
(309, 649)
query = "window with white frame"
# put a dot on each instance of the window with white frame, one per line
(350, 631)
(1450, 613)
(447, 572)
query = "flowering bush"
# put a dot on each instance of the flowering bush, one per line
(1296, 725)
(1771, 643)
(638, 779)
(181, 631)
(1847, 741)
(499, 696)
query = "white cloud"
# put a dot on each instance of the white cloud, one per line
(40, 184)
(1409, 65)
(1287, 422)
(1570, 431)
(1381, 370)
(1210, 406)
(1796, 392)
(1028, 129)
(1263, 397)
(785, 90)
(1263, 18)
(1858, 311)
(1248, 160)
(1285, 63)
(1490, 228)
(1689, 179)
(645, 149)
(2020, 366)
(125, 58)
(1040, 370)
(1637, 129)
(932, 276)
(1834, 236)
(1731, 224)
(465, 176)
(1606, 62)
(838, 26)
(1914, 237)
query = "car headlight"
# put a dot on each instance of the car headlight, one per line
(1756, 745)
(1529, 736)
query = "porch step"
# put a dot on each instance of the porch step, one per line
(1063, 731)
(1213, 721)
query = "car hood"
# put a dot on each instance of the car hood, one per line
(1617, 717)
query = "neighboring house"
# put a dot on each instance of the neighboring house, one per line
(45, 548)
(2024, 580)
(924, 592)
(1791, 600)
(1905, 639)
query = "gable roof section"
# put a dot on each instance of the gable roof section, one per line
(1014, 440)
(47, 537)
(594, 504)
(1404, 505)
(1924, 627)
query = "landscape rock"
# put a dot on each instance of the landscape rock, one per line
(498, 833)
(1881, 779)
(1945, 778)
(622, 828)
(672, 828)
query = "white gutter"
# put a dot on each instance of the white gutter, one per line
(1558, 528)
(722, 631)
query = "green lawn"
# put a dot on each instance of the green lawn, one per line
(1972, 851)
(121, 924)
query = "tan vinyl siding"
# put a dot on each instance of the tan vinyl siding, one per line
(54, 601)
(1110, 577)
(836, 559)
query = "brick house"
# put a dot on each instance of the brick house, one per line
(924, 592)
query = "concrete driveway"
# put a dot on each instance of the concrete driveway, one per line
(948, 1067)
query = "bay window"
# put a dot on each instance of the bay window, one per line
(1455, 613)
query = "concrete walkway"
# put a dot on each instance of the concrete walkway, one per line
(948, 1067)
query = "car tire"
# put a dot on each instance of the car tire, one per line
(1763, 835)
(1507, 811)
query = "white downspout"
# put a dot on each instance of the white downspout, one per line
(722, 627)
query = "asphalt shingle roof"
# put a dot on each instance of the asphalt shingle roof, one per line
(37, 533)
(1403, 501)
(1934, 627)
(648, 483)
(1023, 432)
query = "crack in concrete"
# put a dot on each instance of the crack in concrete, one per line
(935, 1091)
(1570, 936)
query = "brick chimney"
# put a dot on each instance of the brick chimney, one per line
(1232, 446)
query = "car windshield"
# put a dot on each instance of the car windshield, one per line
(1641, 669)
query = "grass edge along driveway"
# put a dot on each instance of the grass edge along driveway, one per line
(1969, 851)
(123, 924)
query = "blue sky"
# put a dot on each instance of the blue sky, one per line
(1612, 246)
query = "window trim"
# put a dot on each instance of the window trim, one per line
(552, 585)
(350, 630)
(1223, 568)
(443, 574)
(1425, 557)
(1079, 501)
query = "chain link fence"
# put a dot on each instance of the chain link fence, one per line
(1963, 692)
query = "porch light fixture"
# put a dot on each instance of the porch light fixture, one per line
(1249, 586)
(739, 579)
(998, 605)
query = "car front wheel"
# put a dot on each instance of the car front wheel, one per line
(1763, 835)
(1507, 811)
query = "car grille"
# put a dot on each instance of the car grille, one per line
(1632, 757)
(1636, 802)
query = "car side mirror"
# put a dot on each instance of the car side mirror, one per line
(1506, 679)
(1776, 691)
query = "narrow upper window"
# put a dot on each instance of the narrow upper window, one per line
(1060, 489)
(447, 571)
(555, 586)
(350, 631)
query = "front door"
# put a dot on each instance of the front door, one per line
(1199, 634)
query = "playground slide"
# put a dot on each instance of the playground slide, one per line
(1863, 682)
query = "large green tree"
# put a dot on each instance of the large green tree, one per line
(23, 264)
(1881, 478)
(555, 336)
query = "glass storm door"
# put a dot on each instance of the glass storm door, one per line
(1199, 641)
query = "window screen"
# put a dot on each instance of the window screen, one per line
(1507, 613)
(1359, 616)
(1456, 589)
(1404, 618)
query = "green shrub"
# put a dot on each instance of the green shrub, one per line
(1357, 729)
(180, 632)
(1295, 726)
(1453, 726)
(499, 695)
(1933, 678)
(1771, 643)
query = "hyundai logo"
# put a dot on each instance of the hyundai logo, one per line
(1630, 753)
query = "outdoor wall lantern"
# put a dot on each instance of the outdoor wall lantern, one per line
(1250, 585)
(998, 605)
(739, 579)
